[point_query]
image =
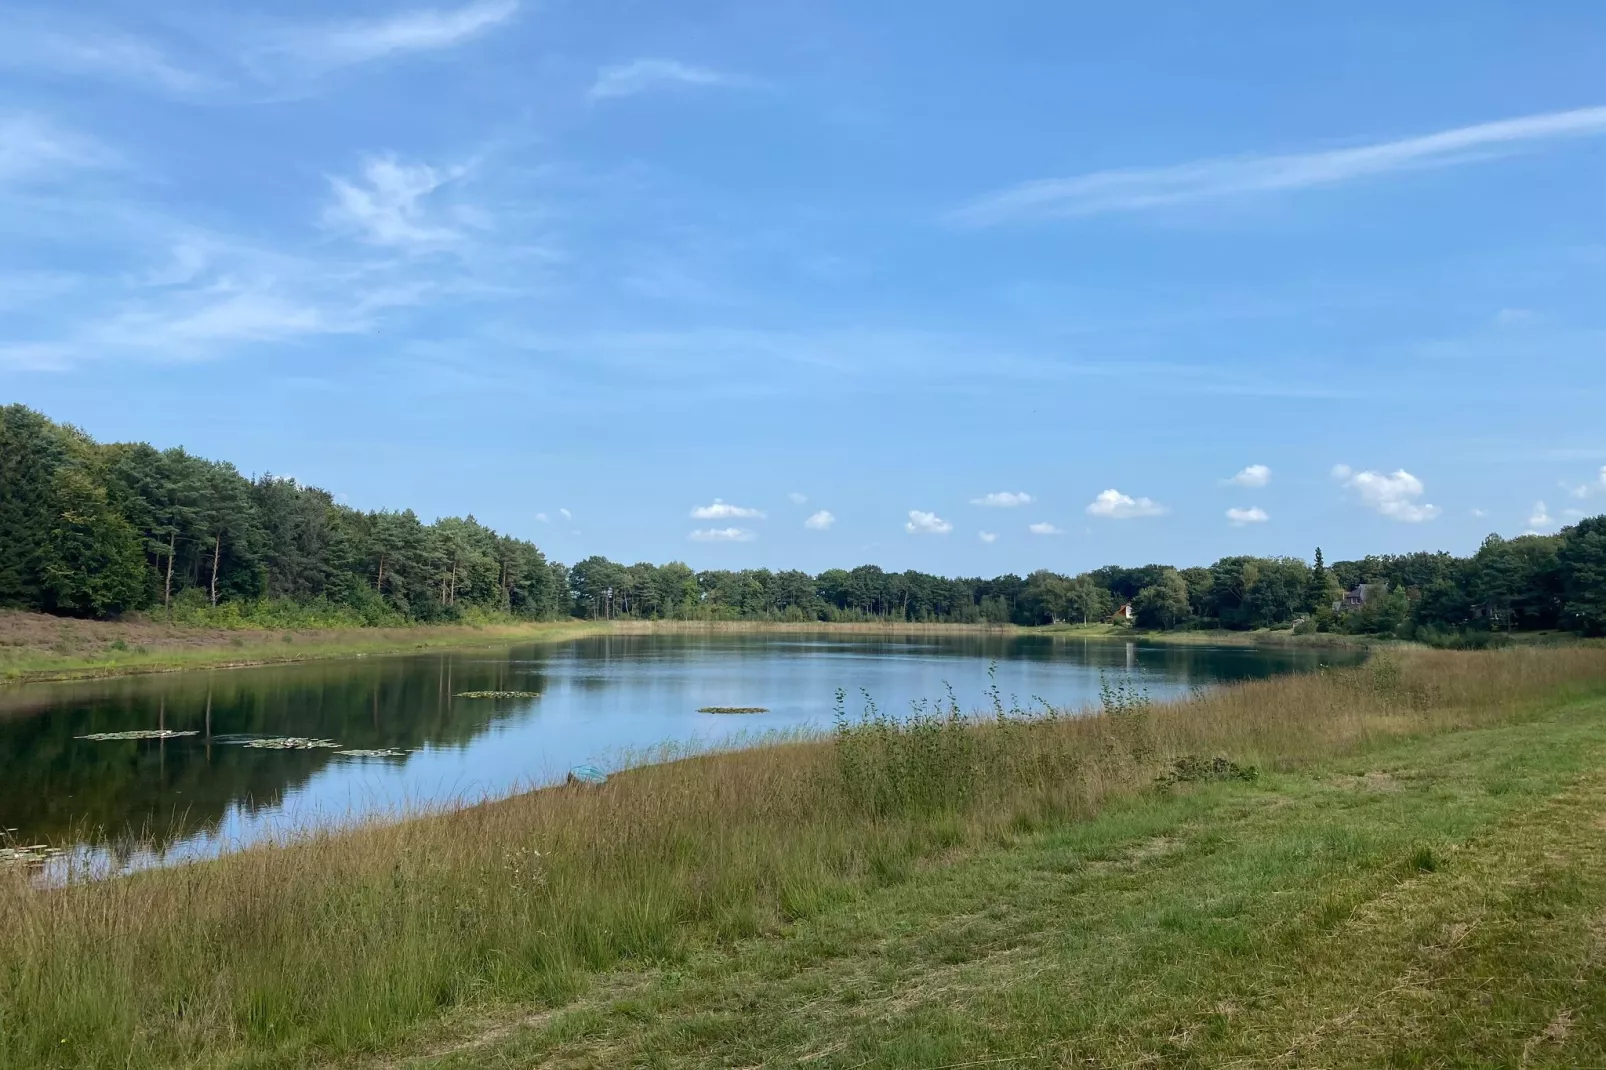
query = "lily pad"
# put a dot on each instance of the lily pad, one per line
(292, 743)
(498, 694)
(378, 752)
(22, 856)
(733, 709)
(139, 733)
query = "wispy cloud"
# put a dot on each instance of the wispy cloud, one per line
(723, 510)
(340, 44)
(195, 325)
(645, 75)
(722, 535)
(987, 536)
(924, 523)
(1136, 189)
(90, 52)
(1253, 515)
(1043, 527)
(1255, 475)
(1114, 505)
(820, 521)
(796, 497)
(32, 147)
(1003, 499)
(1394, 496)
(387, 206)
(1540, 517)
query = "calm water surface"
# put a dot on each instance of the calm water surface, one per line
(603, 700)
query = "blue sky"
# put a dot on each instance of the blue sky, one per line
(977, 288)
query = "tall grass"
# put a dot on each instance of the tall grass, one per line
(349, 942)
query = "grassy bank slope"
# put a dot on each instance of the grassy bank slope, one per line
(906, 898)
(35, 646)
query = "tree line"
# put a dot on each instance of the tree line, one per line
(92, 529)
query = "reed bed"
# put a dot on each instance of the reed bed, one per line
(357, 941)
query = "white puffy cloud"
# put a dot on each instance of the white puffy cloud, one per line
(1043, 527)
(987, 536)
(797, 498)
(723, 510)
(820, 521)
(1003, 499)
(1584, 490)
(1255, 475)
(1117, 506)
(924, 523)
(1541, 517)
(722, 535)
(1394, 496)
(1253, 515)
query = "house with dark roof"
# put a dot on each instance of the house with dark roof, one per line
(1360, 595)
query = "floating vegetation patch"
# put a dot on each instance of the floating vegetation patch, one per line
(138, 733)
(498, 694)
(292, 743)
(381, 752)
(733, 709)
(22, 856)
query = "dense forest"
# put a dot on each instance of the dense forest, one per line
(90, 529)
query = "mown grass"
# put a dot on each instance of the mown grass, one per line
(371, 941)
(1433, 902)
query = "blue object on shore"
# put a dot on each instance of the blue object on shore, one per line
(587, 774)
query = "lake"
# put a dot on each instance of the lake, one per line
(604, 700)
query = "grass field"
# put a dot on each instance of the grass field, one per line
(1392, 865)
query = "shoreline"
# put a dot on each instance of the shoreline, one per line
(45, 649)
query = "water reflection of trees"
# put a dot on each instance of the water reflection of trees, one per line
(56, 787)
(62, 789)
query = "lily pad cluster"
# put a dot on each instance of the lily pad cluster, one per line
(257, 742)
(138, 733)
(29, 855)
(498, 694)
